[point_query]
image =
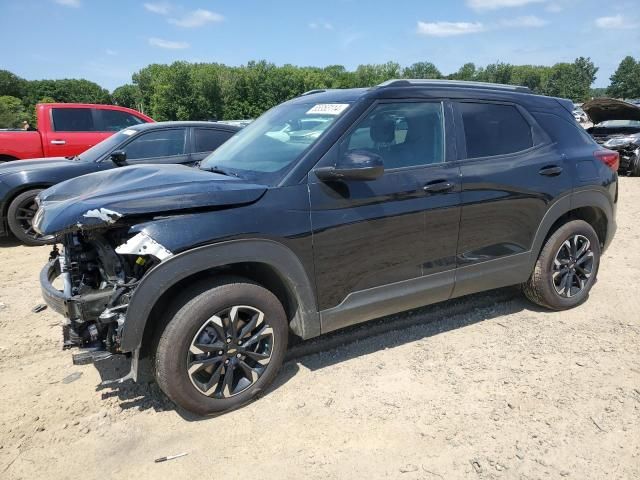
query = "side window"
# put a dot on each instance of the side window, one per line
(492, 129)
(209, 139)
(161, 143)
(562, 131)
(404, 134)
(114, 120)
(72, 120)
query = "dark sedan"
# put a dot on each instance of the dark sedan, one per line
(159, 143)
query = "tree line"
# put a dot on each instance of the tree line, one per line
(207, 91)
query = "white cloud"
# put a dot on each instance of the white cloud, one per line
(318, 25)
(197, 18)
(161, 8)
(171, 45)
(449, 29)
(108, 51)
(528, 21)
(554, 8)
(616, 21)
(69, 3)
(496, 4)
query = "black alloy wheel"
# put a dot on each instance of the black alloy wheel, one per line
(230, 352)
(573, 266)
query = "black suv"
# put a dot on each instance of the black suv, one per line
(334, 208)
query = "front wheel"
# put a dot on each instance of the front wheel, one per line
(566, 268)
(222, 348)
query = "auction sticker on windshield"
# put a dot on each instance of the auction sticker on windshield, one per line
(328, 108)
(128, 132)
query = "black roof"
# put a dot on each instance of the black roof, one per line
(156, 125)
(419, 88)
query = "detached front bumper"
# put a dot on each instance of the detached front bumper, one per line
(54, 298)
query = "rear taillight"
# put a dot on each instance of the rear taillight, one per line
(610, 158)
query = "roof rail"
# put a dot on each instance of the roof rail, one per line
(453, 83)
(311, 92)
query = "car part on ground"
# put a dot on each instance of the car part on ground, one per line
(390, 205)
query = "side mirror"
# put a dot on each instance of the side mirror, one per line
(356, 165)
(119, 157)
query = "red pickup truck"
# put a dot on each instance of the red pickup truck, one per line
(66, 129)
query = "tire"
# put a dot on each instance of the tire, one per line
(545, 287)
(19, 217)
(192, 325)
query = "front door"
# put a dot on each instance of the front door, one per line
(389, 244)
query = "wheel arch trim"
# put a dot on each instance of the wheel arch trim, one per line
(191, 262)
(594, 198)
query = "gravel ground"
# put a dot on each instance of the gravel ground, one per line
(483, 387)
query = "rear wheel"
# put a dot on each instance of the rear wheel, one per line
(566, 268)
(222, 348)
(20, 218)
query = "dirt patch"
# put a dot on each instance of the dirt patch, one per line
(483, 387)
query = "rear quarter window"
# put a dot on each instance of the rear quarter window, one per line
(494, 129)
(562, 131)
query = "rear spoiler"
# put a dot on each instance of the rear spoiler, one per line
(566, 104)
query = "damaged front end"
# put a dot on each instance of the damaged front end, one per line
(99, 219)
(90, 282)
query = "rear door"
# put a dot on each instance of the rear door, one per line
(206, 140)
(73, 130)
(166, 146)
(511, 173)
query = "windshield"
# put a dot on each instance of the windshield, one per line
(620, 123)
(268, 147)
(99, 150)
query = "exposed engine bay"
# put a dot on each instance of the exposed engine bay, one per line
(617, 127)
(99, 270)
(625, 141)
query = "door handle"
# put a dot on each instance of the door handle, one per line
(551, 171)
(58, 142)
(439, 186)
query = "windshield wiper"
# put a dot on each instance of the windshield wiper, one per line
(219, 170)
(73, 157)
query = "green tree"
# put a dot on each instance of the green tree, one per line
(127, 96)
(466, 72)
(11, 84)
(67, 91)
(572, 80)
(12, 112)
(496, 73)
(422, 70)
(625, 82)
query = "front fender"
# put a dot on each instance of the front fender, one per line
(161, 278)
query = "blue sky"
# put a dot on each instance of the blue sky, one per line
(108, 40)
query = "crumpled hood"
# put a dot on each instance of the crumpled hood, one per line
(103, 198)
(603, 109)
(17, 166)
